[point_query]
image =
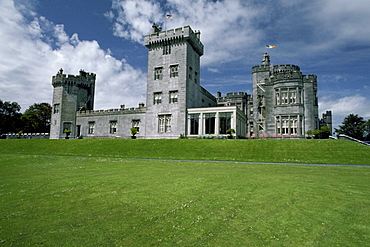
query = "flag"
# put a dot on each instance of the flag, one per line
(270, 46)
(169, 16)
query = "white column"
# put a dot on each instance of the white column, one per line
(201, 124)
(217, 123)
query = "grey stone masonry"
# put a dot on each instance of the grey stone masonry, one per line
(71, 93)
(284, 100)
(173, 83)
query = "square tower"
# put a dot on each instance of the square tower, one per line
(173, 80)
(71, 93)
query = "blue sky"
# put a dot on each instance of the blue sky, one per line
(328, 38)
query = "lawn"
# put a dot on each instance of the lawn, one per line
(92, 193)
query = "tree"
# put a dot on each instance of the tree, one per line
(9, 117)
(352, 125)
(36, 119)
(324, 132)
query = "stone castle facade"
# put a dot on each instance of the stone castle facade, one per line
(283, 103)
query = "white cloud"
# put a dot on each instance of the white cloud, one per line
(233, 29)
(134, 18)
(213, 70)
(226, 26)
(34, 49)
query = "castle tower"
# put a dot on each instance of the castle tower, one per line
(284, 100)
(71, 93)
(173, 80)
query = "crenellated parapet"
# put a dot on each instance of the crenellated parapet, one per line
(83, 80)
(236, 94)
(283, 68)
(286, 72)
(120, 111)
(176, 36)
(232, 96)
(310, 78)
(261, 68)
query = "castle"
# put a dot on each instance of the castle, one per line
(283, 104)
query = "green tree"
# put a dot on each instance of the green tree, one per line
(36, 119)
(324, 132)
(9, 117)
(352, 125)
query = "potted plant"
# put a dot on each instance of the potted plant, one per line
(67, 132)
(133, 132)
(309, 134)
(230, 132)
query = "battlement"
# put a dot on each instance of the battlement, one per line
(283, 68)
(260, 68)
(120, 111)
(236, 94)
(83, 80)
(174, 36)
(310, 78)
(232, 96)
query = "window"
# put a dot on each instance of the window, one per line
(158, 73)
(225, 121)
(164, 123)
(292, 97)
(174, 71)
(196, 77)
(194, 124)
(113, 127)
(173, 96)
(157, 98)
(286, 96)
(91, 128)
(166, 49)
(284, 125)
(277, 102)
(287, 125)
(56, 108)
(135, 124)
(293, 126)
(210, 122)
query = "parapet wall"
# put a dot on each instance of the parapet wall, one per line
(83, 80)
(175, 36)
(119, 111)
(285, 68)
(260, 68)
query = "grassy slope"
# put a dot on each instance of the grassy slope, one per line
(53, 194)
(292, 151)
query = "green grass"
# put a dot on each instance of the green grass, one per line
(280, 151)
(87, 193)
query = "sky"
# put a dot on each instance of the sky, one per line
(328, 38)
